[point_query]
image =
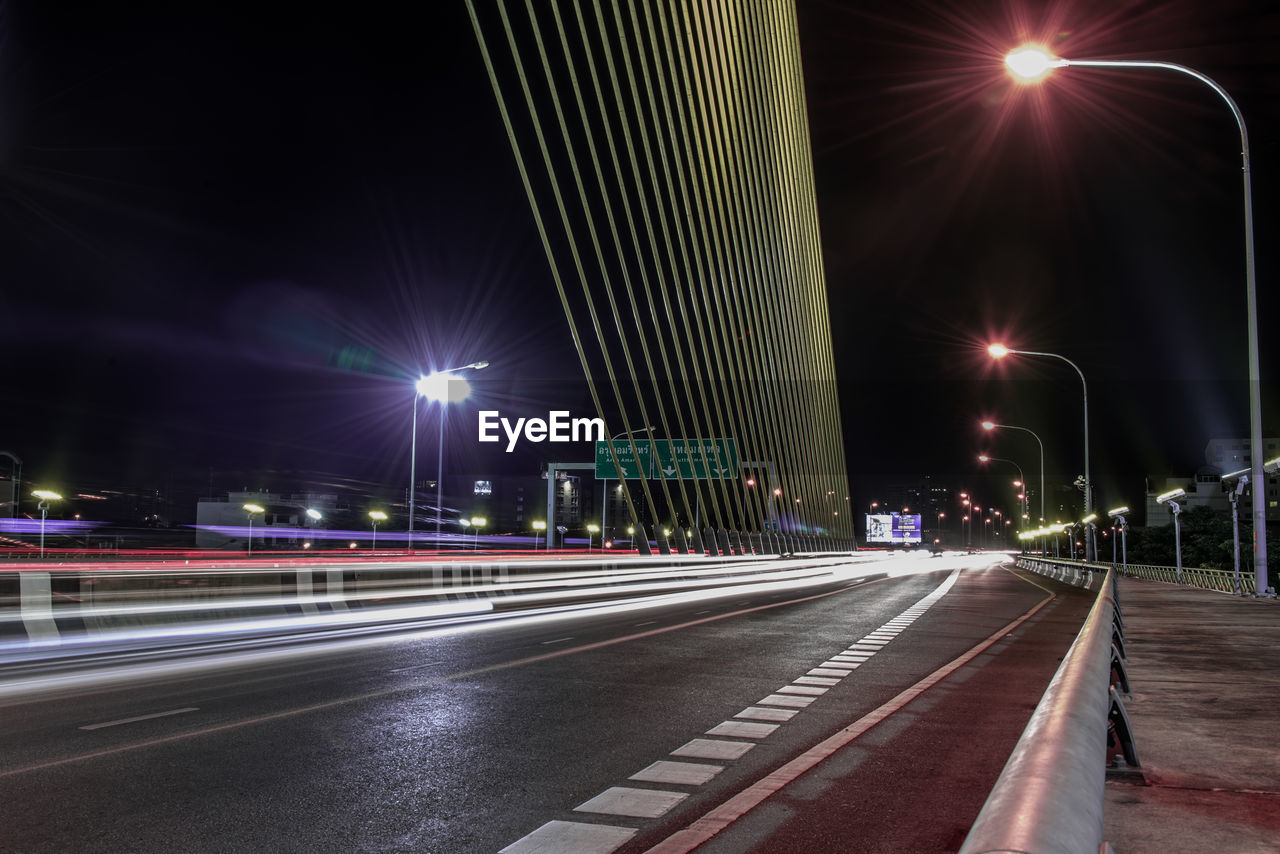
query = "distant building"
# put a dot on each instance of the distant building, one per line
(1204, 488)
(224, 524)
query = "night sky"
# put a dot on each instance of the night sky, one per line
(232, 236)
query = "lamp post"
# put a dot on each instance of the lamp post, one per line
(985, 458)
(538, 527)
(604, 502)
(592, 530)
(1176, 508)
(376, 516)
(251, 509)
(436, 387)
(991, 425)
(1031, 64)
(477, 522)
(45, 496)
(999, 351)
(1118, 515)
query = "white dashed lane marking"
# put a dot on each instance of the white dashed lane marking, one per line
(707, 748)
(636, 803)
(756, 713)
(563, 836)
(789, 700)
(677, 773)
(557, 640)
(742, 729)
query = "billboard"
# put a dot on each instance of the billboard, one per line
(895, 529)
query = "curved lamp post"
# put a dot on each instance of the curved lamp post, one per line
(999, 351)
(984, 458)
(45, 496)
(991, 425)
(435, 387)
(1030, 64)
(251, 509)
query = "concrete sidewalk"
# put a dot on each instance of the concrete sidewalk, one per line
(1205, 672)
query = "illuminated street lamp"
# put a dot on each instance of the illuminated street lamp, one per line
(592, 530)
(991, 425)
(251, 509)
(45, 496)
(1118, 515)
(985, 458)
(314, 515)
(376, 516)
(443, 389)
(1176, 508)
(999, 351)
(477, 522)
(1030, 64)
(538, 527)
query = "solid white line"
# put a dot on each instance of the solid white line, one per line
(141, 718)
(571, 837)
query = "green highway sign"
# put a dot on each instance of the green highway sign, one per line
(690, 459)
(697, 459)
(634, 465)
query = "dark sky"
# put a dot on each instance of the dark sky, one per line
(231, 235)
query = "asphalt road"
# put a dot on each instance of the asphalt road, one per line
(619, 730)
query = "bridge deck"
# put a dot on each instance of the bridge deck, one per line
(1205, 673)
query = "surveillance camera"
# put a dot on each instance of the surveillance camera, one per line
(1170, 495)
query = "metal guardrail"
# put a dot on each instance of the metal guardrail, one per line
(1049, 798)
(1222, 580)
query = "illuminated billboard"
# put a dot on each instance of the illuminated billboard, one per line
(896, 529)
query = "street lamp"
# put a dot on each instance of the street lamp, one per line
(999, 351)
(251, 509)
(1168, 498)
(1118, 515)
(45, 496)
(604, 501)
(443, 389)
(1029, 64)
(376, 516)
(538, 527)
(985, 458)
(991, 425)
(477, 522)
(592, 529)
